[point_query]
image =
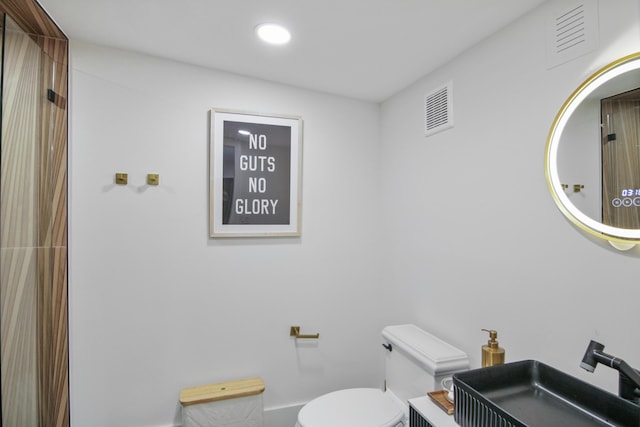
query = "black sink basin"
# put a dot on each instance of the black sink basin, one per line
(530, 393)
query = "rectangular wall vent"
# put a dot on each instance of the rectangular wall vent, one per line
(572, 30)
(438, 110)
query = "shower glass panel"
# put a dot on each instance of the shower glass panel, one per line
(33, 310)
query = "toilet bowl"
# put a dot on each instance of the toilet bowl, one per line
(354, 407)
(415, 363)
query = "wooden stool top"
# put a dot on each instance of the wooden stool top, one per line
(221, 391)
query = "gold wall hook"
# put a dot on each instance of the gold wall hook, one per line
(577, 188)
(121, 178)
(153, 179)
(565, 186)
(295, 332)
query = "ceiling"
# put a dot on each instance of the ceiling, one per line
(363, 49)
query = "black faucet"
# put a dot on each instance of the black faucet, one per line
(628, 379)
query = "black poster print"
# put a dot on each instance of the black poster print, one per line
(256, 173)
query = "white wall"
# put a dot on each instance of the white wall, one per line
(580, 154)
(155, 304)
(459, 230)
(476, 240)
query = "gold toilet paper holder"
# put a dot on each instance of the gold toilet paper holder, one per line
(295, 332)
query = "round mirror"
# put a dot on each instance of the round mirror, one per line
(592, 159)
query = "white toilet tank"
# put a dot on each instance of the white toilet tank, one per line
(416, 361)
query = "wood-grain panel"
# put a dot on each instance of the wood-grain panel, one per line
(19, 367)
(33, 203)
(30, 16)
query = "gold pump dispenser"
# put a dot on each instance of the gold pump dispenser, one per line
(492, 353)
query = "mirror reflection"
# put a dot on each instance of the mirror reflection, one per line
(593, 153)
(620, 118)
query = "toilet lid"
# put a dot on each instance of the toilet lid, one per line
(356, 407)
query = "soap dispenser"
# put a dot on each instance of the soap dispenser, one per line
(492, 354)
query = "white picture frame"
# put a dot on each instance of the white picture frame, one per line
(255, 178)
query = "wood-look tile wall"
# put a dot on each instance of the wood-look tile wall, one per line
(33, 231)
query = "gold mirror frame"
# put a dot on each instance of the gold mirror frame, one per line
(620, 238)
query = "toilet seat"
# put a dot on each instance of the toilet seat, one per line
(356, 407)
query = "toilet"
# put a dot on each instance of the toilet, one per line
(415, 363)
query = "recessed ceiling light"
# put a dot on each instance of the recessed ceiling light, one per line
(273, 33)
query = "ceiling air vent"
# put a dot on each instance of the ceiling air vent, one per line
(572, 31)
(438, 106)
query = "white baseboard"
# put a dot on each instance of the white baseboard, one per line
(285, 416)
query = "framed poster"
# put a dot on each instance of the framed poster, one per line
(255, 178)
